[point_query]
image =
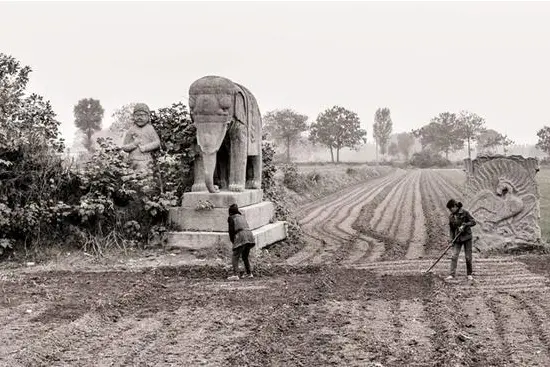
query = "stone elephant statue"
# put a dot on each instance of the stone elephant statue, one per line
(229, 135)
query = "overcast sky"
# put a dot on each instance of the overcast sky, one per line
(418, 59)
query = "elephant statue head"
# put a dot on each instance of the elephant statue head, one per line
(224, 112)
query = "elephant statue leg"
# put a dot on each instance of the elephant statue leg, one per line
(238, 157)
(255, 182)
(223, 163)
(198, 184)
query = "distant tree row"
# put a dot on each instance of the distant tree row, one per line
(338, 128)
(449, 132)
(335, 128)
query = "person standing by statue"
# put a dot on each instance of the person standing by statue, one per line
(243, 240)
(460, 223)
(141, 139)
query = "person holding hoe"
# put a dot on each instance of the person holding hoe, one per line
(460, 223)
(243, 240)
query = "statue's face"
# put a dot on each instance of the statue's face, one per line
(141, 118)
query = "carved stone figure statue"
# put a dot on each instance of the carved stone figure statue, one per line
(229, 135)
(503, 196)
(141, 139)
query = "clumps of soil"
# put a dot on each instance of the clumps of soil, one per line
(285, 315)
(218, 272)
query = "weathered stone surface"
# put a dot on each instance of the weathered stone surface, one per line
(503, 196)
(264, 236)
(215, 220)
(141, 139)
(229, 135)
(222, 199)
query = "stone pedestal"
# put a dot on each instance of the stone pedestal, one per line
(204, 228)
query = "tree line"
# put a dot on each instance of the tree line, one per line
(338, 128)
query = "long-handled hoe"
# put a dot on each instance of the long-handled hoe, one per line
(444, 252)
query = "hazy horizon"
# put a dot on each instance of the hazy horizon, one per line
(418, 59)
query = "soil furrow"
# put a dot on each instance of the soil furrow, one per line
(403, 205)
(386, 219)
(538, 318)
(417, 233)
(379, 211)
(434, 236)
(441, 338)
(343, 192)
(480, 321)
(392, 248)
(415, 334)
(340, 198)
(514, 325)
(336, 213)
(315, 229)
(342, 223)
(320, 211)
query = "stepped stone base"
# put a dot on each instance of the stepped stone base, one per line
(208, 228)
(215, 220)
(222, 199)
(264, 236)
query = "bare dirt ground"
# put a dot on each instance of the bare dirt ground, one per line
(355, 295)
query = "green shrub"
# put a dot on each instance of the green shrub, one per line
(314, 177)
(351, 171)
(275, 193)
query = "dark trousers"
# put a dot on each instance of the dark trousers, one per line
(468, 255)
(241, 251)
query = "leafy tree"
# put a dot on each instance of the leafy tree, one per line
(471, 126)
(285, 126)
(30, 167)
(122, 118)
(442, 134)
(88, 115)
(506, 142)
(178, 147)
(13, 82)
(404, 143)
(26, 122)
(337, 128)
(491, 139)
(393, 149)
(382, 129)
(544, 139)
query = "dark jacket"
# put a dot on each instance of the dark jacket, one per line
(239, 232)
(462, 217)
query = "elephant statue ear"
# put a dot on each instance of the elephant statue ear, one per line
(240, 107)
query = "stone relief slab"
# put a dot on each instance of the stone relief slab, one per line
(503, 196)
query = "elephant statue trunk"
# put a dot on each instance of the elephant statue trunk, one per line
(209, 162)
(226, 113)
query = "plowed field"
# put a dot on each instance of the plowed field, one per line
(354, 296)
